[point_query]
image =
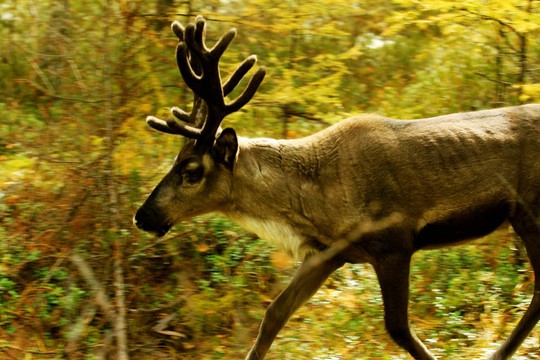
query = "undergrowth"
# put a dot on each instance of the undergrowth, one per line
(201, 292)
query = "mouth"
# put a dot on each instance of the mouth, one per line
(161, 232)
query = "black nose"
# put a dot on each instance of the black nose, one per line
(147, 220)
(139, 218)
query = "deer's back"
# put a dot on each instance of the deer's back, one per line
(427, 169)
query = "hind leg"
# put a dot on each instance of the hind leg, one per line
(528, 228)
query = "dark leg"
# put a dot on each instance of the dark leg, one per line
(310, 276)
(529, 231)
(393, 274)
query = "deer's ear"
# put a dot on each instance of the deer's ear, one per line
(225, 148)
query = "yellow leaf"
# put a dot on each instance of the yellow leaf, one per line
(202, 247)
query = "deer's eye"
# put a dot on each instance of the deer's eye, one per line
(192, 173)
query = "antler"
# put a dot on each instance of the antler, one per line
(199, 67)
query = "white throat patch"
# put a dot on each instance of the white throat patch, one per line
(280, 234)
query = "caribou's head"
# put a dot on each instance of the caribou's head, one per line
(201, 176)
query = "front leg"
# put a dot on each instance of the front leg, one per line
(393, 274)
(312, 273)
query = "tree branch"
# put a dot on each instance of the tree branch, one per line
(493, 80)
(491, 18)
(99, 292)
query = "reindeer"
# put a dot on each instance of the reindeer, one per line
(368, 189)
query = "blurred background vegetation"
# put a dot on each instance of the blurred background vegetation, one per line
(78, 78)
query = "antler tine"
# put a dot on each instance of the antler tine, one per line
(158, 124)
(172, 126)
(222, 45)
(200, 33)
(248, 92)
(181, 114)
(197, 115)
(190, 77)
(199, 37)
(183, 129)
(178, 30)
(239, 74)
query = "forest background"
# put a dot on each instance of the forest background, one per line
(78, 78)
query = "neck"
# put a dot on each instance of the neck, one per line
(273, 189)
(264, 181)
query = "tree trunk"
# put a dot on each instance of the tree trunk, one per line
(112, 209)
